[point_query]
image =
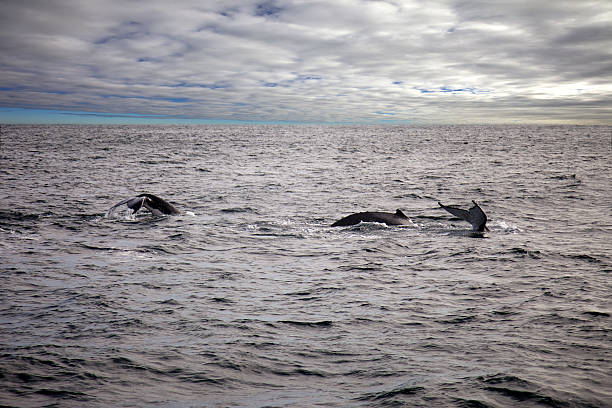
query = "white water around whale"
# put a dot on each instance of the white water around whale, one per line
(250, 298)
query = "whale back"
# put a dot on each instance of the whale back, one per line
(397, 218)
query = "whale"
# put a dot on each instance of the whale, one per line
(474, 215)
(157, 205)
(397, 218)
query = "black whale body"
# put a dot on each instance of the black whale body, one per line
(397, 218)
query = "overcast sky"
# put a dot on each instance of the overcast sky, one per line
(364, 61)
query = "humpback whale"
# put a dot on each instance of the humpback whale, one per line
(474, 215)
(397, 218)
(153, 203)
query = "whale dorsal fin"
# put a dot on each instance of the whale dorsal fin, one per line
(399, 213)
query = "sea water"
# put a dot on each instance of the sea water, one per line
(250, 298)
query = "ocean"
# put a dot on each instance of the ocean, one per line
(250, 298)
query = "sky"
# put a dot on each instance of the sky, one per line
(301, 61)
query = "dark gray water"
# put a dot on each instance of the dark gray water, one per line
(251, 299)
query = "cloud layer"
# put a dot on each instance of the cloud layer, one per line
(438, 61)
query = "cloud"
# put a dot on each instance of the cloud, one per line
(294, 60)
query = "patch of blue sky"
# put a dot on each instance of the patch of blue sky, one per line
(177, 100)
(304, 77)
(148, 59)
(127, 30)
(299, 78)
(215, 85)
(21, 88)
(149, 98)
(267, 8)
(229, 12)
(446, 89)
(111, 38)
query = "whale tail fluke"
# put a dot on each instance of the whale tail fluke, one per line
(153, 203)
(475, 215)
(133, 203)
(457, 212)
(478, 218)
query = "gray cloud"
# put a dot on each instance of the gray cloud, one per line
(345, 60)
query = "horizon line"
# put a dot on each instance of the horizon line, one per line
(28, 116)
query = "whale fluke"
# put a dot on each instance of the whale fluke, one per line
(474, 215)
(153, 203)
(397, 218)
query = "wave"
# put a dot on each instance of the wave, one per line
(511, 390)
(18, 216)
(316, 324)
(233, 210)
(391, 394)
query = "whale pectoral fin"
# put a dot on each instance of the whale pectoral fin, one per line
(457, 212)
